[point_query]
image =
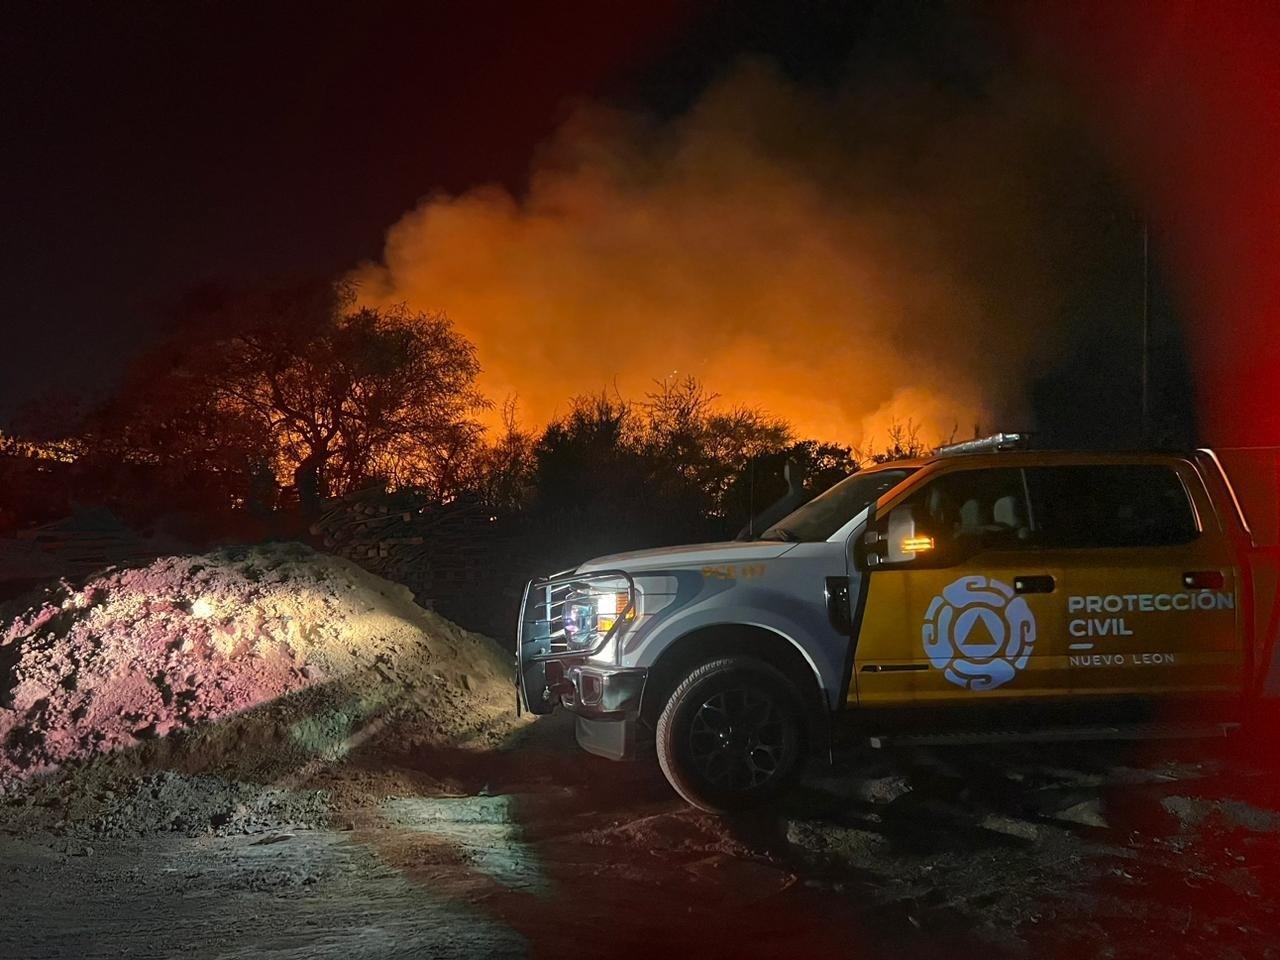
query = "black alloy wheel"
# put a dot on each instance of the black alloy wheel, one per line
(732, 734)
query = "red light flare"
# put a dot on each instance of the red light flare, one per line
(1186, 97)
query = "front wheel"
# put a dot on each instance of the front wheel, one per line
(731, 736)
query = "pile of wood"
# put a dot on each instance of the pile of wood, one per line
(86, 541)
(441, 552)
(368, 524)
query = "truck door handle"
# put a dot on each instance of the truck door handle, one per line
(1034, 584)
(1203, 580)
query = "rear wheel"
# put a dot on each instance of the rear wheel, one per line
(731, 735)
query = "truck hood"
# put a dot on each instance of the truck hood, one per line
(695, 554)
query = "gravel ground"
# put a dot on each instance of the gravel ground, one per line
(538, 850)
(308, 894)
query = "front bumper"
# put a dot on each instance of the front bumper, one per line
(603, 693)
(606, 701)
(611, 739)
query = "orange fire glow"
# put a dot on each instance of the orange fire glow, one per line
(753, 244)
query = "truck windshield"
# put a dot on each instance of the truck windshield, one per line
(829, 511)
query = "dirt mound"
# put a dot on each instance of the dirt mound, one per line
(270, 656)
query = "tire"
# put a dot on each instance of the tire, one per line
(732, 735)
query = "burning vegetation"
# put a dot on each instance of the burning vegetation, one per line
(762, 242)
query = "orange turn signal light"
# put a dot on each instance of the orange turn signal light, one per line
(917, 544)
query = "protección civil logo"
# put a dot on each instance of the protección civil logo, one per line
(978, 632)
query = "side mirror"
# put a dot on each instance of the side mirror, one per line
(903, 543)
(892, 540)
(902, 527)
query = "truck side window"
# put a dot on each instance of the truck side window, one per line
(1109, 506)
(961, 513)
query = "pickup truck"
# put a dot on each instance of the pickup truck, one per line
(985, 590)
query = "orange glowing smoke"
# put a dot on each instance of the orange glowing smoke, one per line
(803, 252)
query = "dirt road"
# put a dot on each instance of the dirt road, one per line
(1085, 850)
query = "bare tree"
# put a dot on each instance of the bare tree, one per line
(708, 446)
(903, 443)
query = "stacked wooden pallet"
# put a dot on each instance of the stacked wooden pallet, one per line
(88, 540)
(367, 524)
(438, 550)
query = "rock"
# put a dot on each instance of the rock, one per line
(877, 790)
(1192, 811)
(273, 838)
(885, 789)
(1087, 813)
(1187, 810)
(1249, 817)
(1022, 829)
(846, 843)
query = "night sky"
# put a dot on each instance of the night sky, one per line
(154, 146)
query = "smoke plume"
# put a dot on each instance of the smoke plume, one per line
(840, 259)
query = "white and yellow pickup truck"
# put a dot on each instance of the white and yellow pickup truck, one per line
(983, 591)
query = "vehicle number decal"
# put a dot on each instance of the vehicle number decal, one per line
(732, 572)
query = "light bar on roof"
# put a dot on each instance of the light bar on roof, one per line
(991, 444)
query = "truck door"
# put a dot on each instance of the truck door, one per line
(1147, 580)
(960, 605)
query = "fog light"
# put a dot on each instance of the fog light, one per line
(592, 688)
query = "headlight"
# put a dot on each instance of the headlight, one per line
(590, 613)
